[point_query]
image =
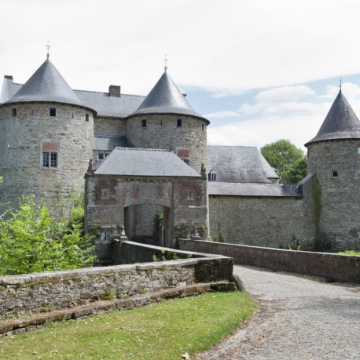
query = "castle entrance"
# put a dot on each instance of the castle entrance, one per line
(147, 224)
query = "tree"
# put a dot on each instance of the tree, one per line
(31, 241)
(288, 160)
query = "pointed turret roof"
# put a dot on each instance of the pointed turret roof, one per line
(46, 84)
(341, 122)
(165, 97)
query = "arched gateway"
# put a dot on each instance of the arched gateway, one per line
(132, 188)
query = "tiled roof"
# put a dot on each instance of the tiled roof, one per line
(107, 143)
(165, 97)
(340, 123)
(239, 164)
(253, 189)
(46, 84)
(144, 162)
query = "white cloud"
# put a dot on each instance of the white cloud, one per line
(222, 114)
(283, 94)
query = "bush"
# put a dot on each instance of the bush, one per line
(31, 241)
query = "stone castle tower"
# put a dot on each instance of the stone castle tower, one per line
(334, 156)
(165, 120)
(46, 139)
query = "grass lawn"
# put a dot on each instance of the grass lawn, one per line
(160, 331)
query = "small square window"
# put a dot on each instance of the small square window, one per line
(31, 113)
(179, 122)
(143, 123)
(202, 127)
(87, 117)
(190, 195)
(186, 161)
(49, 159)
(212, 176)
(358, 150)
(105, 193)
(14, 112)
(52, 111)
(334, 174)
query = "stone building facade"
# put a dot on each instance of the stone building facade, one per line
(151, 175)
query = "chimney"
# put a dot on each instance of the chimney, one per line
(9, 77)
(114, 90)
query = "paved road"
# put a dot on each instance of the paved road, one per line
(298, 318)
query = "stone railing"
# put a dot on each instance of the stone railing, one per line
(334, 267)
(49, 291)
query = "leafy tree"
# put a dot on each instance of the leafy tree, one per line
(287, 159)
(31, 241)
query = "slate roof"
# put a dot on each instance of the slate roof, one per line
(239, 164)
(165, 97)
(107, 143)
(341, 122)
(144, 162)
(253, 189)
(46, 84)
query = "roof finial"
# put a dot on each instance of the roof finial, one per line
(166, 60)
(48, 46)
(340, 82)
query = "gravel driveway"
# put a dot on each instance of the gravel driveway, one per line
(298, 318)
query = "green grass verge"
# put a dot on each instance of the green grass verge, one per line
(349, 252)
(160, 331)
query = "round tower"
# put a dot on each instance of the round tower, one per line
(46, 140)
(334, 156)
(166, 120)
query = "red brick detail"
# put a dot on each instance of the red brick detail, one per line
(50, 146)
(184, 188)
(110, 184)
(183, 153)
(135, 191)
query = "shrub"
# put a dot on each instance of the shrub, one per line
(31, 241)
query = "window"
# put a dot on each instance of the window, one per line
(179, 122)
(161, 123)
(334, 174)
(202, 127)
(31, 113)
(14, 112)
(358, 150)
(143, 123)
(105, 193)
(49, 159)
(87, 117)
(52, 112)
(190, 195)
(212, 176)
(101, 156)
(72, 115)
(186, 161)
(327, 151)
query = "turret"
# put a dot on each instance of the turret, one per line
(46, 139)
(334, 156)
(166, 120)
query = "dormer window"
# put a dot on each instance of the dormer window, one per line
(212, 176)
(179, 122)
(143, 123)
(52, 112)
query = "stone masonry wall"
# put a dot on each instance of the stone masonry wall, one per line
(109, 126)
(24, 137)
(162, 132)
(339, 221)
(264, 221)
(331, 266)
(66, 289)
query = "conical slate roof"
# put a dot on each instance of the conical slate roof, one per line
(166, 98)
(46, 84)
(340, 123)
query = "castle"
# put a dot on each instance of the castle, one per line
(150, 176)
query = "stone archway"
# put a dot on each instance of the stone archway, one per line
(148, 224)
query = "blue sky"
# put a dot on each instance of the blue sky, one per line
(260, 70)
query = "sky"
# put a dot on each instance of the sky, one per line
(259, 70)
